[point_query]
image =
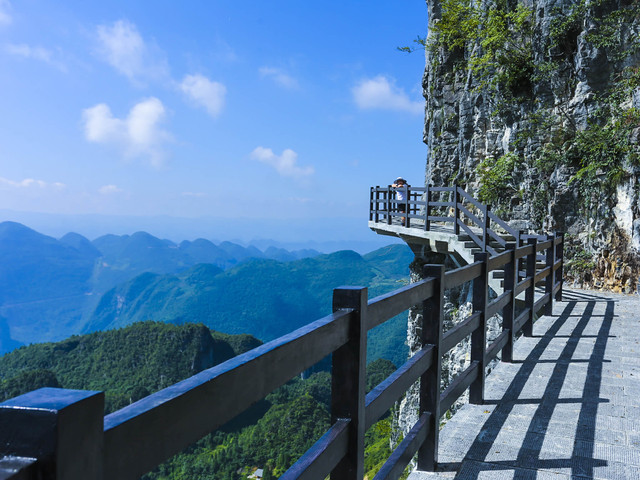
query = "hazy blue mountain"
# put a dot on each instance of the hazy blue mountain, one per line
(264, 298)
(6, 342)
(37, 267)
(44, 283)
(81, 244)
(51, 289)
(204, 251)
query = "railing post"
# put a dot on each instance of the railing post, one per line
(548, 284)
(377, 200)
(530, 293)
(456, 211)
(559, 256)
(479, 336)
(432, 325)
(62, 429)
(348, 381)
(427, 208)
(407, 206)
(371, 196)
(485, 228)
(389, 203)
(508, 313)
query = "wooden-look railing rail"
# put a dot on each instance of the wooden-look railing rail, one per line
(62, 434)
(445, 206)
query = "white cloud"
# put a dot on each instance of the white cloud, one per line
(381, 93)
(5, 16)
(139, 134)
(37, 53)
(284, 164)
(123, 48)
(31, 183)
(205, 93)
(278, 76)
(109, 189)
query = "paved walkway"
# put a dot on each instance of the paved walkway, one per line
(567, 408)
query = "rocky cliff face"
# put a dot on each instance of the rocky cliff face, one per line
(534, 106)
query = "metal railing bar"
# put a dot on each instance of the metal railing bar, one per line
(541, 302)
(459, 332)
(521, 319)
(498, 304)
(402, 455)
(497, 237)
(470, 215)
(384, 307)
(469, 232)
(497, 345)
(557, 265)
(522, 286)
(381, 399)
(542, 274)
(140, 436)
(557, 287)
(441, 204)
(499, 260)
(523, 251)
(544, 246)
(504, 225)
(323, 456)
(442, 189)
(455, 278)
(470, 199)
(458, 386)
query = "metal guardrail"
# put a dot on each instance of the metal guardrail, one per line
(62, 434)
(451, 207)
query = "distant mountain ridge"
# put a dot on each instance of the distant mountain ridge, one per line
(265, 298)
(48, 285)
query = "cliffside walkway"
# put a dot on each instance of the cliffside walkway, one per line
(567, 407)
(444, 219)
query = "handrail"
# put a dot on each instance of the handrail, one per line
(458, 206)
(133, 440)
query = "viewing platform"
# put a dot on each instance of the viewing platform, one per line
(567, 407)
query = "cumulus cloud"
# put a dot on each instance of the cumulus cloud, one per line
(5, 16)
(30, 183)
(140, 134)
(381, 93)
(285, 164)
(37, 53)
(205, 93)
(109, 189)
(122, 46)
(278, 76)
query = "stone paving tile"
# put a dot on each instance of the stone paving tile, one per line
(568, 407)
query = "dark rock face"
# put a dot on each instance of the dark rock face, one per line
(537, 119)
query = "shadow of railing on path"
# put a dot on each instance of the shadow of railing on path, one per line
(581, 459)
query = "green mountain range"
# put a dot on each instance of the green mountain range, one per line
(265, 298)
(132, 362)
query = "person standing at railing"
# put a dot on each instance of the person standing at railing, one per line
(402, 191)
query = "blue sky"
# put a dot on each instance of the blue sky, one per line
(282, 109)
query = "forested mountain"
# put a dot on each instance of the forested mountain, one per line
(48, 286)
(265, 298)
(135, 361)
